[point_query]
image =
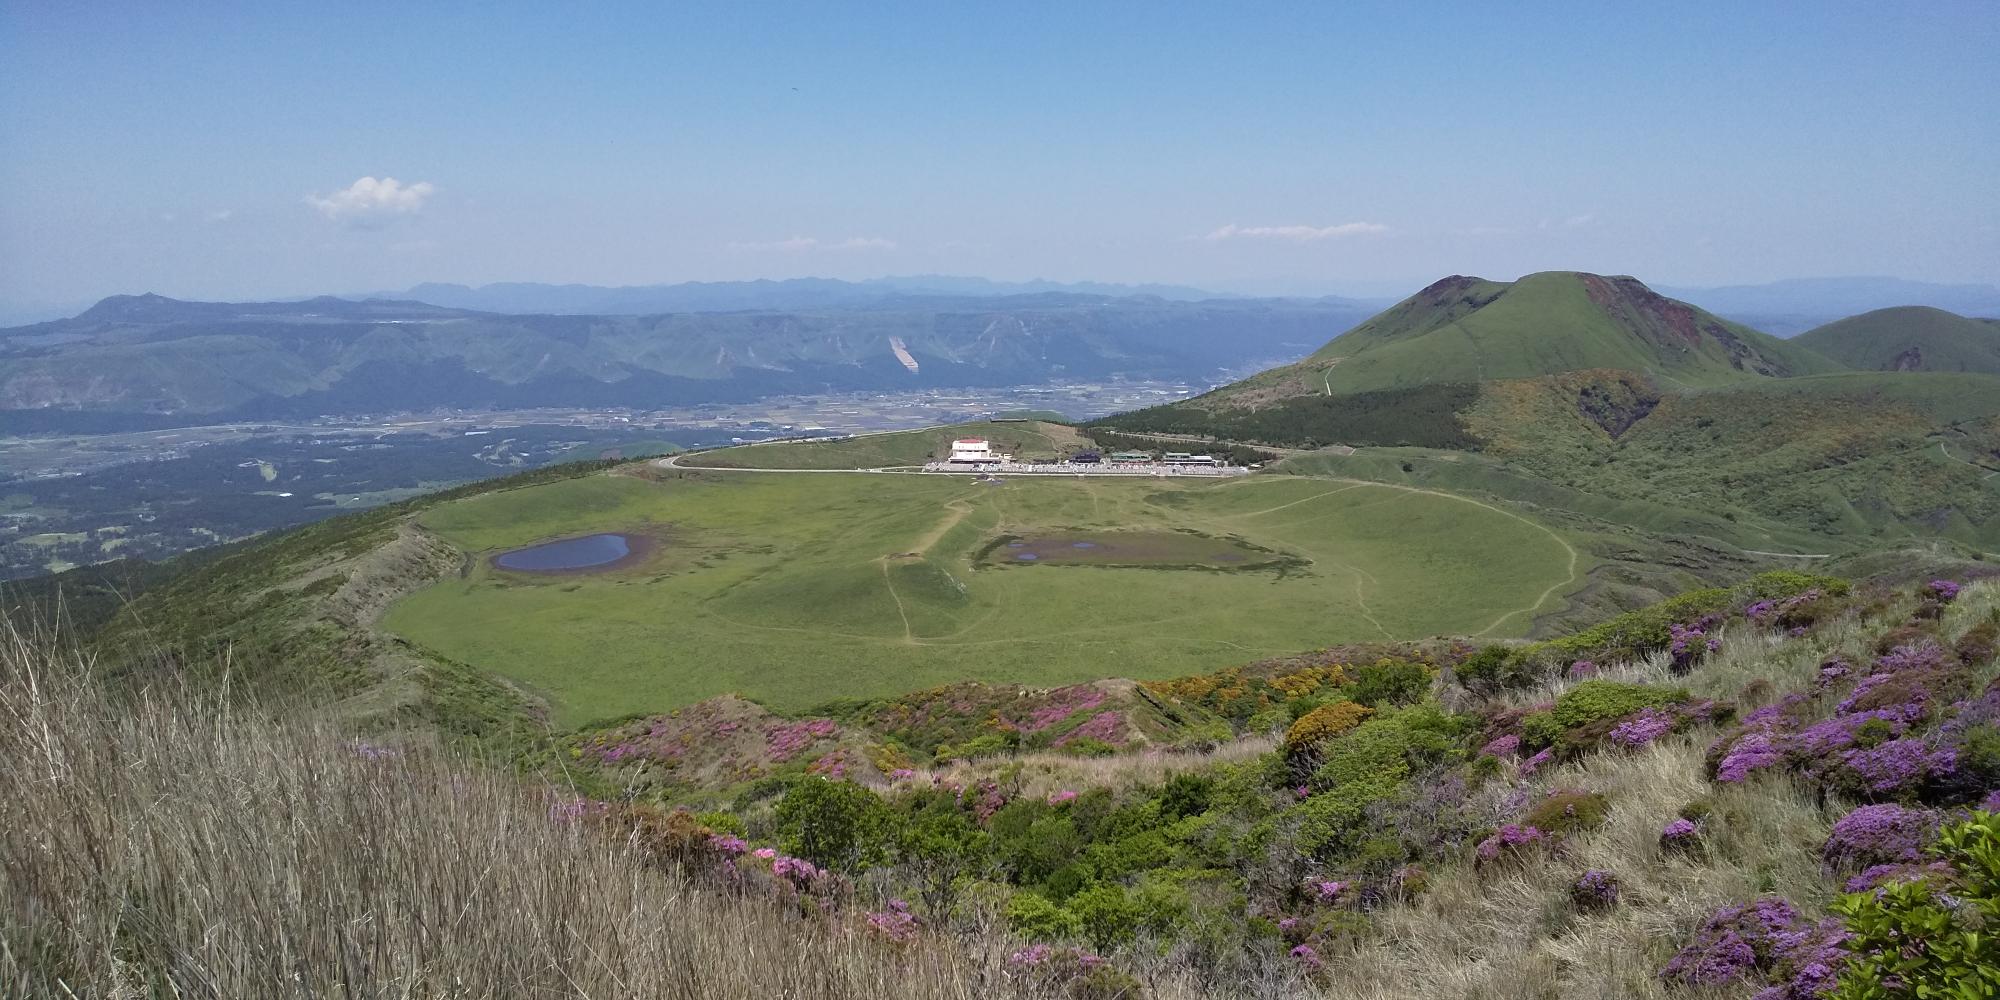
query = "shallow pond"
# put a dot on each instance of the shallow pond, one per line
(586, 552)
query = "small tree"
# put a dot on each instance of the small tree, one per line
(943, 849)
(833, 824)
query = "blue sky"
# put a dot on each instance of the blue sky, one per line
(212, 150)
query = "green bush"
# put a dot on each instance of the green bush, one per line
(1185, 794)
(1034, 917)
(1779, 584)
(1106, 914)
(1933, 937)
(1568, 811)
(834, 824)
(1389, 682)
(1589, 702)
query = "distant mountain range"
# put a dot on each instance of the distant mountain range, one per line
(791, 293)
(156, 359)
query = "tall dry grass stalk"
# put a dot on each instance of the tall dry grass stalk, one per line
(162, 843)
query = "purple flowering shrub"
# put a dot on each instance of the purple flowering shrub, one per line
(1878, 835)
(1508, 841)
(785, 740)
(894, 923)
(1594, 890)
(1688, 643)
(1680, 834)
(1754, 943)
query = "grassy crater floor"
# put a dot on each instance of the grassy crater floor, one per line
(797, 589)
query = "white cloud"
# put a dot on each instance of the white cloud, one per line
(1297, 234)
(371, 202)
(803, 244)
(222, 215)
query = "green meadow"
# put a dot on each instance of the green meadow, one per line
(796, 589)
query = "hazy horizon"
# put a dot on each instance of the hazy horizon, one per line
(1359, 152)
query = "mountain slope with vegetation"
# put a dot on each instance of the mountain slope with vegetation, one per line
(1591, 814)
(1462, 329)
(1598, 386)
(1909, 338)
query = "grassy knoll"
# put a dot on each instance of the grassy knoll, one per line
(1027, 439)
(794, 589)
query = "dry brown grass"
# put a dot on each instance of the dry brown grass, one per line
(165, 845)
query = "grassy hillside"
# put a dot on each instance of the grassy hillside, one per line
(793, 589)
(1025, 439)
(1849, 457)
(1909, 338)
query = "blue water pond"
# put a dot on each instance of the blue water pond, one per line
(568, 553)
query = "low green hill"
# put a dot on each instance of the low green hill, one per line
(1909, 338)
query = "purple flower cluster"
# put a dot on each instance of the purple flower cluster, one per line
(1831, 671)
(1510, 837)
(1537, 762)
(896, 923)
(1595, 890)
(1680, 834)
(1643, 727)
(1741, 944)
(1941, 591)
(1327, 892)
(728, 845)
(798, 871)
(1879, 835)
(1307, 956)
(1503, 746)
(1034, 954)
(1749, 752)
(1688, 643)
(1062, 797)
(1895, 767)
(1062, 703)
(1867, 748)
(1877, 876)
(788, 739)
(1581, 670)
(1104, 727)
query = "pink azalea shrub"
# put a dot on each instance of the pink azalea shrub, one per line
(1328, 891)
(896, 923)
